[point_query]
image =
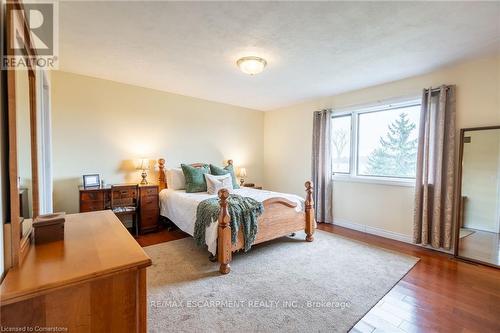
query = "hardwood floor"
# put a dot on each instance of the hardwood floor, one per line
(164, 235)
(440, 294)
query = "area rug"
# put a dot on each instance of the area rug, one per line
(287, 285)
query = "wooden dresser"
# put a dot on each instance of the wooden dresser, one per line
(99, 198)
(93, 281)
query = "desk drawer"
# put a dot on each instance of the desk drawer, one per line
(149, 221)
(147, 191)
(149, 202)
(92, 196)
(91, 206)
(125, 193)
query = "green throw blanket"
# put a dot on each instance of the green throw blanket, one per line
(243, 212)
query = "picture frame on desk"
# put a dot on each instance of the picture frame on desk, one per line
(92, 180)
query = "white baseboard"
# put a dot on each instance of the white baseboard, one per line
(373, 230)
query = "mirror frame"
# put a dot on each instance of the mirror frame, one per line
(20, 243)
(459, 193)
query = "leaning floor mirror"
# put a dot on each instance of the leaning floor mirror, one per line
(478, 231)
(23, 140)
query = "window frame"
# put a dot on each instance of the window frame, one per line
(345, 115)
(355, 112)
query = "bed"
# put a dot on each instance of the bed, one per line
(283, 215)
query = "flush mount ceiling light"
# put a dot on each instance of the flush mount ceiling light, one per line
(251, 65)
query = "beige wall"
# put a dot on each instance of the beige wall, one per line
(287, 141)
(101, 126)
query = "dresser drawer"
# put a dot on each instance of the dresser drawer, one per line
(91, 206)
(147, 191)
(92, 196)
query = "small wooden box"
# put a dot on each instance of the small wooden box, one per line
(49, 228)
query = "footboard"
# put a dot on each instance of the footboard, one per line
(280, 218)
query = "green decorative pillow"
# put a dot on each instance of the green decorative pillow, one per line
(215, 170)
(195, 178)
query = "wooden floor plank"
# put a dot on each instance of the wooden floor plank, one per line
(380, 323)
(161, 236)
(363, 327)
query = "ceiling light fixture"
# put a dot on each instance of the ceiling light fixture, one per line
(251, 65)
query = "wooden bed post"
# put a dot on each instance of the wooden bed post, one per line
(224, 234)
(310, 222)
(162, 183)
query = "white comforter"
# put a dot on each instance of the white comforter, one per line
(180, 207)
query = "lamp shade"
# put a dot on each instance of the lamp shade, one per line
(143, 164)
(243, 172)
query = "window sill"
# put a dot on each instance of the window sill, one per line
(374, 180)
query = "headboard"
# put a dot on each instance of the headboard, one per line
(162, 178)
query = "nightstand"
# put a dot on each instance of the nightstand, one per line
(149, 209)
(251, 185)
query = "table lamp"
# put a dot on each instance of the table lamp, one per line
(243, 174)
(143, 165)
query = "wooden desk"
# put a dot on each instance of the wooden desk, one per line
(99, 198)
(93, 281)
(94, 198)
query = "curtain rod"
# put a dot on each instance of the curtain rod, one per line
(438, 88)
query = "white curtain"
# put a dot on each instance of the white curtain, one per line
(44, 142)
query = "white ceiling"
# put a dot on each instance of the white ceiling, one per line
(312, 49)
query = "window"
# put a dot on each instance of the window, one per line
(387, 145)
(384, 142)
(341, 144)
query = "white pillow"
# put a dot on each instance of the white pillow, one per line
(215, 183)
(176, 179)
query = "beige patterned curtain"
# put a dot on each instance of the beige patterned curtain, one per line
(322, 166)
(435, 180)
